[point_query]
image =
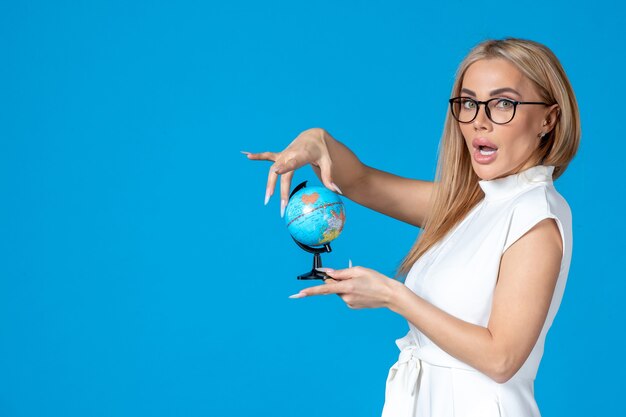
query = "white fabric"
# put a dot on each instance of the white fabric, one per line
(459, 276)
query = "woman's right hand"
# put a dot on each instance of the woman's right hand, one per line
(309, 147)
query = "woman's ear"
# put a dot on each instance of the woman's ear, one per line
(552, 117)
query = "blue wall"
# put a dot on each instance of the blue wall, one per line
(140, 273)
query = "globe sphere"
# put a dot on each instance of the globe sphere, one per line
(315, 216)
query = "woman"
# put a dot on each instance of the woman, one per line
(486, 276)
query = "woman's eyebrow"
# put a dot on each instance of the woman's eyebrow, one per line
(493, 93)
(504, 90)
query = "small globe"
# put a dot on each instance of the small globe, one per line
(315, 216)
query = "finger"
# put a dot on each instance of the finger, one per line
(262, 156)
(326, 289)
(325, 165)
(342, 274)
(338, 274)
(271, 185)
(282, 167)
(327, 278)
(285, 186)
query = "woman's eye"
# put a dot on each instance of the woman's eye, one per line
(468, 104)
(504, 104)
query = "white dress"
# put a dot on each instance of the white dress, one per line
(458, 275)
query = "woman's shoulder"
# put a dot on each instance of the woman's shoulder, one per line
(538, 203)
(542, 198)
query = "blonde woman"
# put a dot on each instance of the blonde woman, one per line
(485, 278)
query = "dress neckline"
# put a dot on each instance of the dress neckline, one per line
(513, 184)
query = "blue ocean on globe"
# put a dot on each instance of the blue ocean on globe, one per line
(315, 216)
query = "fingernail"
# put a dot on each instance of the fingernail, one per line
(245, 153)
(327, 270)
(267, 197)
(276, 168)
(336, 188)
(298, 295)
(283, 204)
(349, 263)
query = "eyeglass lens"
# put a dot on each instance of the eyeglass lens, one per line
(499, 111)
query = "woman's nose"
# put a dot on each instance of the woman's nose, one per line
(481, 121)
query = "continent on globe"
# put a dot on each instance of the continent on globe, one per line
(335, 225)
(310, 198)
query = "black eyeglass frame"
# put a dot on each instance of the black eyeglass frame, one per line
(487, 111)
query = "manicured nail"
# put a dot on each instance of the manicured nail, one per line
(267, 197)
(245, 153)
(336, 188)
(298, 295)
(327, 270)
(276, 168)
(349, 263)
(283, 204)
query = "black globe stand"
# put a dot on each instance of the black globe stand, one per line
(317, 260)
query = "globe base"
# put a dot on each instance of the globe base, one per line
(314, 273)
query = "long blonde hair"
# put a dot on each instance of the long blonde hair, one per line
(456, 189)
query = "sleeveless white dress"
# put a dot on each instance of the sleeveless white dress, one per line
(459, 275)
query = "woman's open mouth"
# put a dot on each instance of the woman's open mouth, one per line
(485, 154)
(486, 150)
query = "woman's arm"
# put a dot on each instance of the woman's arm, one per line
(336, 165)
(529, 269)
(526, 281)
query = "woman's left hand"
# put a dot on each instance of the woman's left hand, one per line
(358, 287)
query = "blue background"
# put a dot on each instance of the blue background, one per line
(140, 273)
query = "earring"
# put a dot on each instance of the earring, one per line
(542, 134)
(545, 122)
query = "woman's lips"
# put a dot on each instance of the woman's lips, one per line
(478, 142)
(490, 150)
(487, 158)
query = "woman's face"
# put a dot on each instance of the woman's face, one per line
(515, 141)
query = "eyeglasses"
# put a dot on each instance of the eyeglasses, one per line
(499, 110)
